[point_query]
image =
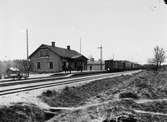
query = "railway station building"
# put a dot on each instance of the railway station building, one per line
(50, 58)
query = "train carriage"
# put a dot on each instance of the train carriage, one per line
(120, 65)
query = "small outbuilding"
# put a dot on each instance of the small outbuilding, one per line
(95, 65)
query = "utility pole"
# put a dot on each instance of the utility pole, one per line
(101, 58)
(113, 56)
(80, 45)
(27, 52)
(27, 42)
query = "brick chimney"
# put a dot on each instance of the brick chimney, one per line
(68, 47)
(53, 44)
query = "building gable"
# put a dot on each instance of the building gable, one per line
(62, 52)
(42, 51)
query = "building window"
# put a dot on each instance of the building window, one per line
(38, 65)
(44, 53)
(51, 65)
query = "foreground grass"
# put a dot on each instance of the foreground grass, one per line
(75, 96)
(21, 112)
(148, 84)
(144, 85)
(119, 110)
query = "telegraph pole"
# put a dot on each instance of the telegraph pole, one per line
(101, 58)
(27, 52)
(27, 42)
(113, 56)
(80, 45)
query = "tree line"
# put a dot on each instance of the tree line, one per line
(22, 65)
(159, 56)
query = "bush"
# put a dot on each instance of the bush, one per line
(48, 93)
(128, 95)
(127, 119)
(109, 120)
(21, 112)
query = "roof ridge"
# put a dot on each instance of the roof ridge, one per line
(63, 52)
(60, 48)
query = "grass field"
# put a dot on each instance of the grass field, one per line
(140, 97)
(124, 92)
(21, 112)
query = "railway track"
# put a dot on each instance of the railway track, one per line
(21, 86)
(35, 80)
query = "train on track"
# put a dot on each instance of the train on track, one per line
(120, 65)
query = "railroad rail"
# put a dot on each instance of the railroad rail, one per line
(21, 86)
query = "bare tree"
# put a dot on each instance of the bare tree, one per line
(24, 65)
(159, 57)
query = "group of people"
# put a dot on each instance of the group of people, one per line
(67, 67)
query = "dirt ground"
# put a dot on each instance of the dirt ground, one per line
(141, 97)
(21, 112)
(137, 98)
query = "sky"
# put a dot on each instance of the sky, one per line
(127, 29)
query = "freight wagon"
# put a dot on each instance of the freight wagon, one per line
(120, 65)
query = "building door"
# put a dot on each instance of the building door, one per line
(51, 65)
(75, 66)
(38, 65)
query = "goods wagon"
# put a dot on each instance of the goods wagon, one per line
(120, 65)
